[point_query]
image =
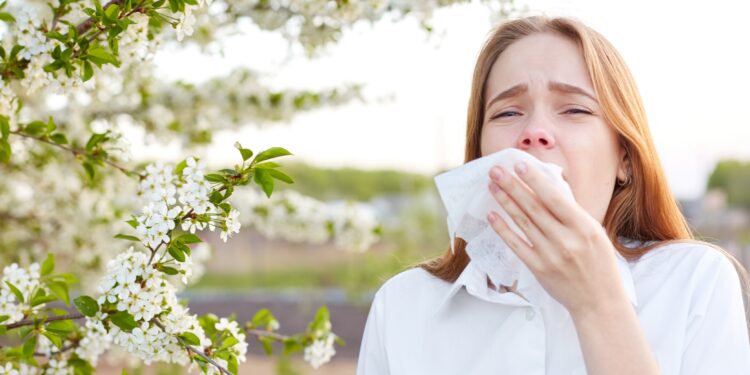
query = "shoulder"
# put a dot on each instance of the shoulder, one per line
(688, 256)
(413, 287)
(699, 270)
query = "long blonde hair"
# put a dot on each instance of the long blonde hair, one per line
(644, 209)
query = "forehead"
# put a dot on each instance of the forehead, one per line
(536, 60)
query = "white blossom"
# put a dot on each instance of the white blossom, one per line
(58, 367)
(320, 351)
(185, 23)
(231, 225)
(26, 281)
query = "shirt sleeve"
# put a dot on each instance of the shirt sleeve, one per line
(716, 340)
(373, 358)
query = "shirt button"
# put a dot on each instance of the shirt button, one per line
(530, 313)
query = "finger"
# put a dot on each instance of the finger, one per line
(529, 228)
(564, 209)
(514, 241)
(528, 202)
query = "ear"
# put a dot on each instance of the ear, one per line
(623, 167)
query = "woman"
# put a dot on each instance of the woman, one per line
(558, 90)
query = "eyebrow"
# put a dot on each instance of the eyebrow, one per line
(553, 86)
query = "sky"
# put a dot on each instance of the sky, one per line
(690, 61)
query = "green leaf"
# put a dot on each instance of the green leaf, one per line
(321, 316)
(4, 127)
(67, 277)
(232, 365)
(166, 269)
(279, 175)
(180, 167)
(80, 366)
(133, 223)
(190, 338)
(41, 297)
(61, 327)
(51, 125)
(59, 138)
(90, 171)
(57, 36)
(7, 17)
(229, 342)
(124, 320)
(16, 292)
(55, 339)
(213, 177)
(29, 346)
(189, 238)
(262, 178)
(176, 252)
(267, 344)
(112, 12)
(60, 289)
(48, 265)
(4, 151)
(88, 71)
(246, 153)
(35, 128)
(127, 237)
(86, 305)
(292, 345)
(94, 140)
(271, 153)
(267, 165)
(100, 56)
(262, 318)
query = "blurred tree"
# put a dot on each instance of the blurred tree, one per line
(733, 178)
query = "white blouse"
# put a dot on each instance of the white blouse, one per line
(687, 296)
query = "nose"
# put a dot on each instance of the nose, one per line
(534, 135)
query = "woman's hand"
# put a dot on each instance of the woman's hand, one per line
(569, 251)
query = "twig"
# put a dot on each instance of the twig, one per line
(62, 350)
(259, 333)
(76, 152)
(28, 322)
(190, 348)
(88, 23)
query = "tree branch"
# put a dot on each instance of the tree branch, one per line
(28, 322)
(77, 152)
(88, 23)
(62, 350)
(261, 333)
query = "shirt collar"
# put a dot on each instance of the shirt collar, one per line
(475, 282)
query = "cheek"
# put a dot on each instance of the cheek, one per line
(494, 139)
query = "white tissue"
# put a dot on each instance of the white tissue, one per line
(467, 199)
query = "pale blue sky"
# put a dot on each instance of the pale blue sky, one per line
(689, 60)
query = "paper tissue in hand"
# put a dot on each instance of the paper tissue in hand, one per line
(467, 199)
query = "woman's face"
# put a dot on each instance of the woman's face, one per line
(539, 99)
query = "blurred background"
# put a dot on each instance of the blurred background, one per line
(389, 100)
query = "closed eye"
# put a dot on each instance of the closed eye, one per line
(572, 111)
(578, 111)
(502, 114)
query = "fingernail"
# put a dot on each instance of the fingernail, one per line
(521, 168)
(491, 217)
(497, 174)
